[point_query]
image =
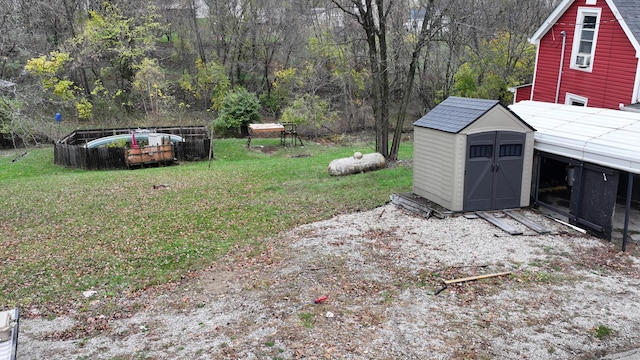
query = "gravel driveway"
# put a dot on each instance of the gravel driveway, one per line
(568, 296)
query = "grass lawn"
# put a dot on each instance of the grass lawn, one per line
(65, 231)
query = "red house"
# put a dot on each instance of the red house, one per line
(588, 54)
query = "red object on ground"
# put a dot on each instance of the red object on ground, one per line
(320, 300)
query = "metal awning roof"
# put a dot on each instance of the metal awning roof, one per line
(604, 137)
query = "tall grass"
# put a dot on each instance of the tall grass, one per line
(64, 231)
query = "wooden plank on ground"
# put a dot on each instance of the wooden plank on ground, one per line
(478, 277)
(411, 206)
(526, 221)
(436, 210)
(505, 226)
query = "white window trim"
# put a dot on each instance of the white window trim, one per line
(582, 12)
(635, 98)
(569, 98)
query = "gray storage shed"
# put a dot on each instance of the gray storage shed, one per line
(473, 154)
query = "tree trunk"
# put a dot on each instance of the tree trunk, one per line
(376, 90)
(374, 25)
(382, 143)
(196, 29)
(368, 24)
(406, 95)
(402, 112)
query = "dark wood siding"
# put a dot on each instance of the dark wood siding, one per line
(614, 64)
(89, 159)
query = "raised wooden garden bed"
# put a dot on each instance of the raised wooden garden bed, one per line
(150, 155)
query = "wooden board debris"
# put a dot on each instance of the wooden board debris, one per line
(478, 277)
(526, 221)
(501, 223)
(411, 206)
(581, 230)
(421, 203)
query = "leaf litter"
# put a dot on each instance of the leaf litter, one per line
(379, 271)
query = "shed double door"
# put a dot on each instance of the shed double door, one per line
(493, 170)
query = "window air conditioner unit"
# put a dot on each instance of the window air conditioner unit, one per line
(583, 61)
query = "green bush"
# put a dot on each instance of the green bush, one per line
(307, 109)
(8, 125)
(5, 115)
(239, 109)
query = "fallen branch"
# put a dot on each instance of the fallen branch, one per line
(465, 266)
(471, 278)
(478, 277)
(18, 157)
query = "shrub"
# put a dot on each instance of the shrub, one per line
(239, 109)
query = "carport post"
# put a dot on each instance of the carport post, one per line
(536, 190)
(627, 212)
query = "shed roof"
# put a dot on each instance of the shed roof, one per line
(604, 137)
(454, 114)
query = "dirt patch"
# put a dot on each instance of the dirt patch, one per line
(568, 296)
(266, 149)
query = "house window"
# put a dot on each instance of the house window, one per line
(575, 100)
(584, 41)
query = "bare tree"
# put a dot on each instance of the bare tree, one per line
(9, 35)
(431, 27)
(372, 17)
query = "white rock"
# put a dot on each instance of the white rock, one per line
(89, 293)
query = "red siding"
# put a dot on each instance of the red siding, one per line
(614, 63)
(522, 93)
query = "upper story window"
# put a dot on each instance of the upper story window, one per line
(584, 40)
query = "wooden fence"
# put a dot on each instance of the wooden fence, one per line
(70, 151)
